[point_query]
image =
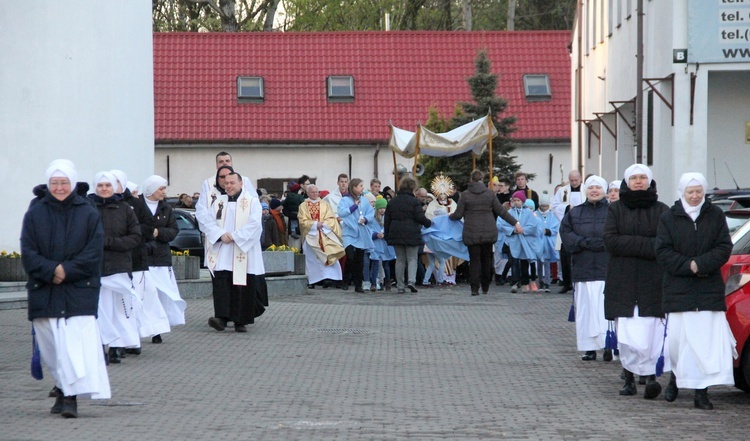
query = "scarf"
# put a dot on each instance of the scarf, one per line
(639, 198)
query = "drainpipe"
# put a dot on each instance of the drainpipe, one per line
(639, 87)
(579, 86)
(375, 159)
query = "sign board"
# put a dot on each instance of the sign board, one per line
(719, 31)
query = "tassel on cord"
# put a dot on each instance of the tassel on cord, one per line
(36, 360)
(660, 361)
(572, 313)
(608, 338)
(616, 349)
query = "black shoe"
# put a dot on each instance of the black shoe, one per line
(344, 287)
(629, 387)
(156, 339)
(498, 280)
(134, 351)
(310, 286)
(590, 356)
(359, 289)
(412, 288)
(475, 293)
(217, 323)
(114, 355)
(653, 388)
(701, 400)
(564, 290)
(54, 392)
(239, 328)
(69, 407)
(607, 355)
(670, 394)
(57, 407)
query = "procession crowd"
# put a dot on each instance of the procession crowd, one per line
(645, 277)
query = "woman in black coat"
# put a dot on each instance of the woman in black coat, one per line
(117, 297)
(692, 244)
(632, 293)
(581, 232)
(62, 246)
(403, 221)
(162, 230)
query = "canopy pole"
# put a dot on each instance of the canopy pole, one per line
(473, 161)
(489, 135)
(416, 152)
(395, 168)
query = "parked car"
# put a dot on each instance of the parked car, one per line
(736, 273)
(189, 238)
(736, 218)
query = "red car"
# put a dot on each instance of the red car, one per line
(736, 273)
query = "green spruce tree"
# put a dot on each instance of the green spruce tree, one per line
(483, 86)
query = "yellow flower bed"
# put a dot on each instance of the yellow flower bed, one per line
(12, 255)
(283, 248)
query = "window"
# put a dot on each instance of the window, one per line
(250, 89)
(340, 88)
(537, 87)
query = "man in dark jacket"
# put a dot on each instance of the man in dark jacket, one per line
(404, 218)
(632, 293)
(480, 208)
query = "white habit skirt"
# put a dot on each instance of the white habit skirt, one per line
(118, 309)
(701, 347)
(640, 340)
(152, 319)
(71, 349)
(591, 326)
(317, 270)
(163, 279)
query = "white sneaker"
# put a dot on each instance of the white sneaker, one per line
(366, 286)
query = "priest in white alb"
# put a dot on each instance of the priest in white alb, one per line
(233, 254)
(322, 244)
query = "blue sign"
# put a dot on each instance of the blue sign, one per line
(719, 31)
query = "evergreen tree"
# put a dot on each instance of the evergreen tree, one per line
(483, 85)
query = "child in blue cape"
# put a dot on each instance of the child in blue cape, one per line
(549, 226)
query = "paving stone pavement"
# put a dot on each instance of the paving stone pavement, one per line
(337, 365)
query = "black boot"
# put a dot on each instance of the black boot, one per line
(653, 388)
(590, 356)
(57, 407)
(701, 400)
(629, 388)
(670, 394)
(69, 407)
(607, 355)
(114, 355)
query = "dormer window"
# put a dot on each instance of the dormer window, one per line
(340, 88)
(250, 89)
(537, 87)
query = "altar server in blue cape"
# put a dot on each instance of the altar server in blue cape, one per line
(548, 229)
(523, 247)
(444, 237)
(356, 212)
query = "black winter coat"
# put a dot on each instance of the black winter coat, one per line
(404, 218)
(633, 276)
(679, 241)
(121, 234)
(480, 208)
(65, 232)
(581, 231)
(139, 256)
(157, 248)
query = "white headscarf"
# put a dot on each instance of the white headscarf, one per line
(637, 169)
(132, 186)
(122, 178)
(596, 180)
(153, 183)
(104, 176)
(692, 179)
(614, 184)
(62, 168)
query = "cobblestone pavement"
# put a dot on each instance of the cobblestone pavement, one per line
(337, 365)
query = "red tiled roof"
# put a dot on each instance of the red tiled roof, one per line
(397, 77)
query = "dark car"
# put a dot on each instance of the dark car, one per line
(189, 238)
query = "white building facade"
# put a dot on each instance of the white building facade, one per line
(692, 112)
(76, 82)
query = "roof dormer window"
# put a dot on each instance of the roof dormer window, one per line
(250, 89)
(340, 88)
(537, 87)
